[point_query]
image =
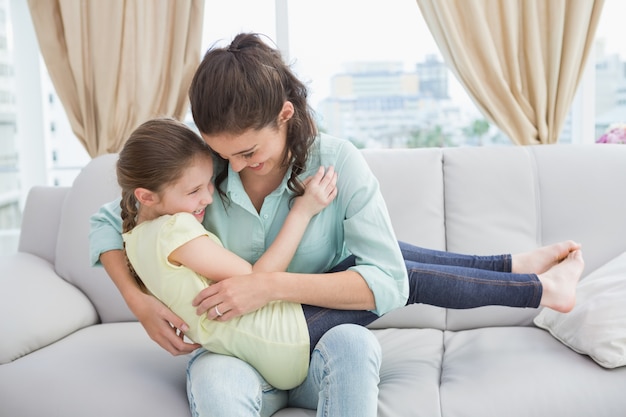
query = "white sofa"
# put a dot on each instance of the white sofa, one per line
(70, 346)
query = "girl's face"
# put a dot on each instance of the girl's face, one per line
(191, 193)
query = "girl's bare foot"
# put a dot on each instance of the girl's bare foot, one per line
(559, 283)
(542, 259)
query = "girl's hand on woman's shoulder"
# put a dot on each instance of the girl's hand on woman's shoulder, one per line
(320, 191)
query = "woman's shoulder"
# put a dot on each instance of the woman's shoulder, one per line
(331, 148)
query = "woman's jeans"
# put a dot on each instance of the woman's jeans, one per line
(345, 358)
(342, 380)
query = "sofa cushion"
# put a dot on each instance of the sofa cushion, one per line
(411, 182)
(597, 324)
(103, 370)
(95, 185)
(583, 198)
(40, 221)
(416, 208)
(524, 372)
(410, 372)
(491, 207)
(43, 307)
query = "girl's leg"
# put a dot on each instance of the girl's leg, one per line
(536, 261)
(443, 279)
(460, 287)
(546, 276)
(220, 385)
(414, 253)
(343, 374)
(319, 320)
(501, 263)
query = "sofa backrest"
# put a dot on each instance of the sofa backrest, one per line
(513, 199)
(411, 181)
(468, 200)
(40, 221)
(95, 185)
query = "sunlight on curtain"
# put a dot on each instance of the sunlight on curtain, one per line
(521, 62)
(115, 64)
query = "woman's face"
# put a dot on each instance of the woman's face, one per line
(256, 151)
(259, 152)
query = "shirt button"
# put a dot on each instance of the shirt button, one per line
(265, 216)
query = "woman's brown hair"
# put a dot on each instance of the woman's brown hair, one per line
(244, 86)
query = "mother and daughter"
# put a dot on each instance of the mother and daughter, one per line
(316, 257)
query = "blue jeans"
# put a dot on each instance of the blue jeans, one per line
(342, 380)
(442, 279)
(345, 360)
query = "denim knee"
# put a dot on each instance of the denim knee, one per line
(348, 360)
(353, 350)
(351, 340)
(223, 385)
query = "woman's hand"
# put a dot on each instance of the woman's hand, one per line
(233, 297)
(163, 326)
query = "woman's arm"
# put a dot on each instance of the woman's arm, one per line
(236, 296)
(163, 326)
(209, 259)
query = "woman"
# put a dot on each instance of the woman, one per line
(252, 111)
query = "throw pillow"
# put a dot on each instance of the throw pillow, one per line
(597, 325)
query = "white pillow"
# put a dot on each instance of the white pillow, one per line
(597, 324)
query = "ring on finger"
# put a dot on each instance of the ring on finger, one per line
(218, 312)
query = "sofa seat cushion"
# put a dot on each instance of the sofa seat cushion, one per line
(410, 372)
(102, 370)
(43, 307)
(525, 372)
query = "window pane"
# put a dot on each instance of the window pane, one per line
(610, 78)
(377, 77)
(10, 212)
(224, 19)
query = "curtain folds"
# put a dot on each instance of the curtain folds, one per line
(519, 60)
(117, 63)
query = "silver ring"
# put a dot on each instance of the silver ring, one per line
(218, 312)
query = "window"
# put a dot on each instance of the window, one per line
(10, 211)
(375, 75)
(610, 67)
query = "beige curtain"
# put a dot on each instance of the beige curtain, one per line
(117, 63)
(519, 60)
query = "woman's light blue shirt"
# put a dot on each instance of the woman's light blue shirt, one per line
(356, 222)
